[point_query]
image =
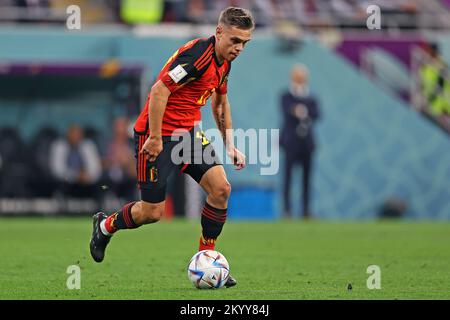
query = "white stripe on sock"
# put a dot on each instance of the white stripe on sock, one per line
(103, 228)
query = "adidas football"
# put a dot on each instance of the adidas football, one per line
(208, 269)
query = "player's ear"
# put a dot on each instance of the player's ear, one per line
(219, 31)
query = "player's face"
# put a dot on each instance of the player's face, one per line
(231, 41)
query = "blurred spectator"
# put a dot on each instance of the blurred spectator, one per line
(435, 84)
(306, 13)
(32, 3)
(141, 11)
(35, 10)
(196, 11)
(300, 111)
(263, 10)
(42, 182)
(92, 11)
(175, 11)
(120, 169)
(13, 166)
(76, 164)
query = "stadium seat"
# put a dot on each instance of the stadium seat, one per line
(41, 182)
(95, 136)
(13, 169)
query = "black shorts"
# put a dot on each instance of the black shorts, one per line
(190, 153)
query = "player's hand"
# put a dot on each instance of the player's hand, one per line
(152, 147)
(237, 157)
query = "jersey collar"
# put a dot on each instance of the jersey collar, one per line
(213, 41)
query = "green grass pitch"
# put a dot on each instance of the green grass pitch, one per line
(271, 260)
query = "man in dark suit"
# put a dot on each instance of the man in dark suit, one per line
(300, 111)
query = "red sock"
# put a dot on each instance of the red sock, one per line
(206, 244)
(122, 219)
(109, 223)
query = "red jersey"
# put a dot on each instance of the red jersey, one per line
(192, 74)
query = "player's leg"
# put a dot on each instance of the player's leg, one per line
(214, 213)
(149, 210)
(152, 177)
(213, 180)
(206, 169)
(131, 216)
(210, 175)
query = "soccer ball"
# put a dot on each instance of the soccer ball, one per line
(208, 269)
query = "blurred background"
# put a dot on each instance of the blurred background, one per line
(382, 138)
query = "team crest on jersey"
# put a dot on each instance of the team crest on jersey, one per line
(153, 174)
(177, 73)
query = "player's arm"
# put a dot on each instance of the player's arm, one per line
(158, 101)
(222, 115)
(182, 70)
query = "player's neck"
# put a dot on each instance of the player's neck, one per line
(219, 58)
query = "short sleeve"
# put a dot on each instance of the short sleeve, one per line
(188, 66)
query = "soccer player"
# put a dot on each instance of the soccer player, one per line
(196, 71)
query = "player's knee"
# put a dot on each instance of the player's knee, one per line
(151, 213)
(222, 191)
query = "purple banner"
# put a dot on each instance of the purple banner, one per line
(105, 70)
(399, 46)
